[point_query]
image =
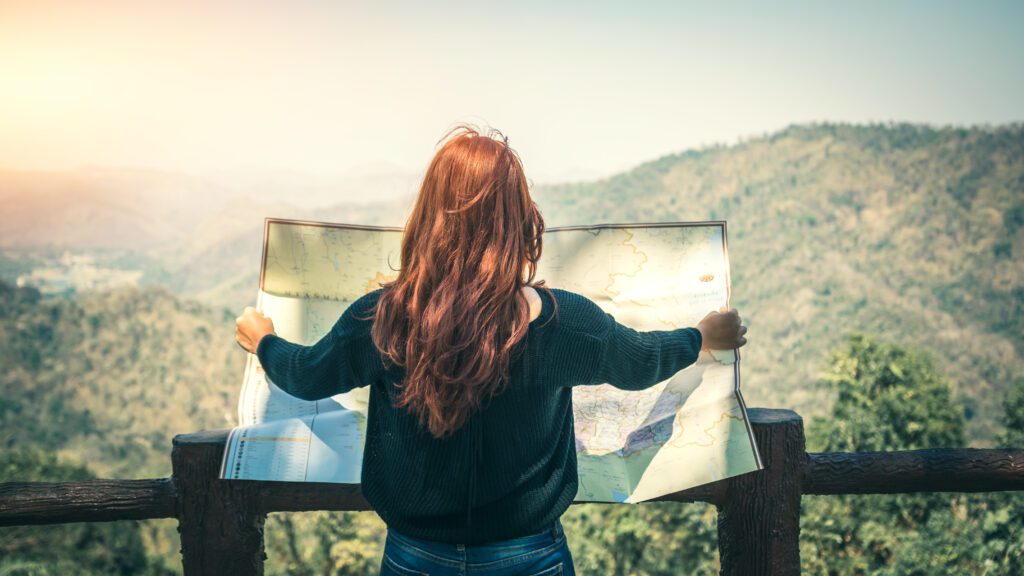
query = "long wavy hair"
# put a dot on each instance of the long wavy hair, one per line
(455, 316)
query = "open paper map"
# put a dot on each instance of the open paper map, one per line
(631, 445)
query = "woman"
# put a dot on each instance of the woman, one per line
(470, 453)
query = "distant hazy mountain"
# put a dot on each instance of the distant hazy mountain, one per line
(138, 208)
(195, 235)
(372, 182)
(102, 208)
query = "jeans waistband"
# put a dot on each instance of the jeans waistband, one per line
(487, 549)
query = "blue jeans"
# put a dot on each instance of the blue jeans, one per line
(543, 554)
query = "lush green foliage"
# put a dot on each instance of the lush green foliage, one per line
(100, 549)
(889, 398)
(111, 377)
(108, 379)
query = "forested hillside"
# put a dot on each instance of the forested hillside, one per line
(912, 232)
(909, 231)
(104, 381)
(110, 377)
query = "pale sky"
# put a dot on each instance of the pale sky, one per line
(583, 89)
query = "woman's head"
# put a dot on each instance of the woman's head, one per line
(456, 314)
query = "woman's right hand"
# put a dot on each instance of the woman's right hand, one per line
(722, 330)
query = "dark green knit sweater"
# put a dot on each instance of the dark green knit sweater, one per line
(511, 471)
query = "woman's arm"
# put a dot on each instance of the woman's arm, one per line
(340, 361)
(635, 360)
(603, 351)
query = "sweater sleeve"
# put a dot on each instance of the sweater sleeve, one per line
(613, 353)
(633, 360)
(343, 359)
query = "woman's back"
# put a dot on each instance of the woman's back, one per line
(511, 469)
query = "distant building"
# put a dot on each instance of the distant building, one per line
(73, 273)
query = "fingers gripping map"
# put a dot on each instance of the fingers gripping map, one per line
(631, 446)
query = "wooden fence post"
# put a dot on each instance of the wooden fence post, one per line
(220, 521)
(759, 518)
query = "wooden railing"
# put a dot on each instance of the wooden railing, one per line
(221, 521)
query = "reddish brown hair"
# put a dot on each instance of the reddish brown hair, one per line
(455, 317)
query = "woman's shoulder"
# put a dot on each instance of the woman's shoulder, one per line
(370, 298)
(578, 313)
(361, 311)
(571, 311)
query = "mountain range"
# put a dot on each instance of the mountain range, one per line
(911, 232)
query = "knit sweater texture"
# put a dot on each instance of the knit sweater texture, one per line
(511, 470)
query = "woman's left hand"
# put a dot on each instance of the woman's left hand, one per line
(251, 327)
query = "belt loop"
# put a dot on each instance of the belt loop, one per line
(554, 530)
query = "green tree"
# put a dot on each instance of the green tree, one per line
(656, 538)
(1002, 524)
(322, 543)
(891, 398)
(104, 548)
(1013, 416)
(888, 398)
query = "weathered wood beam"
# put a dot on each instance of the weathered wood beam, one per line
(24, 503)
(905, 471)
(308, 496)
(759, 517)
(219, 521)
